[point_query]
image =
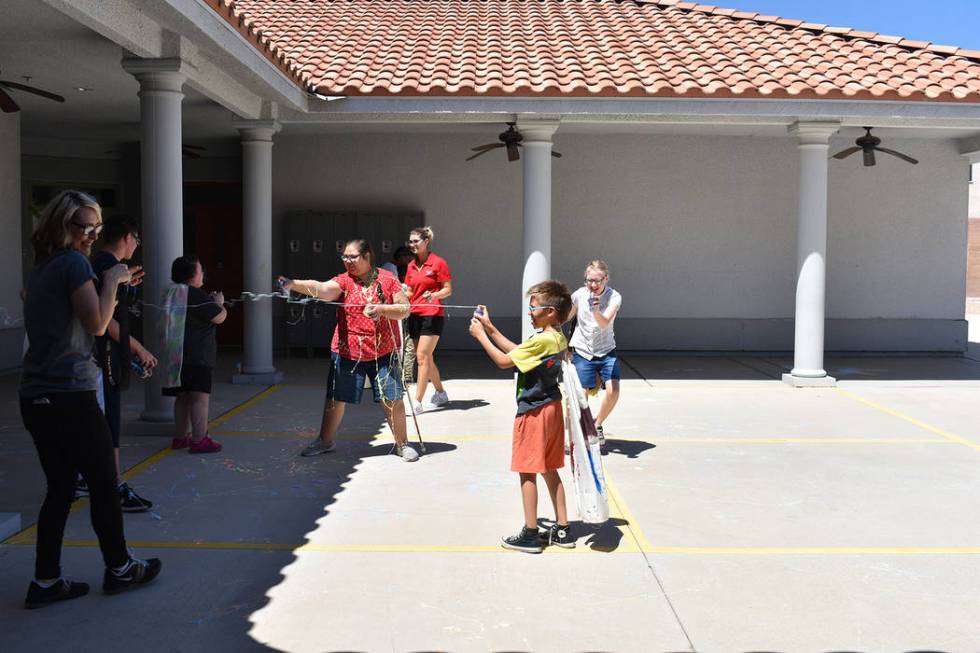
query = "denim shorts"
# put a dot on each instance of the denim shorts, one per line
(346, 379)
(607, 367)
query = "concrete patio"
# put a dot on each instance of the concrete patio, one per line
(747, 515)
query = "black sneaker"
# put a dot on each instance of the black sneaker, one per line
(138, 572)
(527, 541)
(81, 488)
(558, 536)
(132, 502)
(63, 590)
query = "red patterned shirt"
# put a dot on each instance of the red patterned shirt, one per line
(357, 336)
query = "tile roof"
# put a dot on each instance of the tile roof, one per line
(631, 48)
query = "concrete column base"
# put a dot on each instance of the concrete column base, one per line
(810, 382)
(263, 378)
(9, 524)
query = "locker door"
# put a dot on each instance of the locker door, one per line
(297, 267)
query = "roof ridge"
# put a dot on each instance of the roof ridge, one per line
(789, 23)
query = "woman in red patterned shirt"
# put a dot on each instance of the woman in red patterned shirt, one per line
(363, 343)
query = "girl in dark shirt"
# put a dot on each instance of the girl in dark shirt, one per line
(204, 312)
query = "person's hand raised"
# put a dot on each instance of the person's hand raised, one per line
(117, 274)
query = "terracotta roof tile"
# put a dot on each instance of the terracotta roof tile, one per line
(636, 48)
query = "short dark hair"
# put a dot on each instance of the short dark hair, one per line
(363, 247)
(118, 227)
(554, 294)
(400, 252)
(183, 268)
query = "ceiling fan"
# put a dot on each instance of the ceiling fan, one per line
(869, 144)
(510, 139)
(7, 104)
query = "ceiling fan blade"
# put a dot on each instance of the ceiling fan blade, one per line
(7, 104)
(513, 154)
(903, 157)
(557, 155)
(195, 147)
(35, 91)
(470, 158)
(843, 154)
(488, 146)
(869, 158)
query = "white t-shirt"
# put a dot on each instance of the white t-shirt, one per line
(590, 341)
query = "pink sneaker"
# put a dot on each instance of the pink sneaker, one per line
(181, 443)
(205, 445)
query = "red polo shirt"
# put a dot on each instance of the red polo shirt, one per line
(427, 277)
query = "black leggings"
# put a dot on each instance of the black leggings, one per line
(71, 436)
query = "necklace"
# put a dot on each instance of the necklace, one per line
(367, 286)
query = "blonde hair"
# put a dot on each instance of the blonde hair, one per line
(599, 265)
(425, 233)
(53, 229)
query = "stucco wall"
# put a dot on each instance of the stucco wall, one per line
(11, 337)
(699, 231)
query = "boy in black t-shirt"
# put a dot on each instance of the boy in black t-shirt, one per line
(115, 349)
(204, 312)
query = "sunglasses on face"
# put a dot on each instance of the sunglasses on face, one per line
(350, 259)
(538, 308)
(88, 229)
(415, 241)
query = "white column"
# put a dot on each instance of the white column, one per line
(161, 186)
(811, 248)
(257, 235)
(536, 155)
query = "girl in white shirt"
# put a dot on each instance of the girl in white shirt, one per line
(594, 342)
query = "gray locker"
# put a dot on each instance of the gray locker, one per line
(314, 242)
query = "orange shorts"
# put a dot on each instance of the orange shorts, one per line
(539, 440)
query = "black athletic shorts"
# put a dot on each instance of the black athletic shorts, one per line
(425, 325)
(193, 378)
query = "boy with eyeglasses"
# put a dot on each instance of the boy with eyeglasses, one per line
(539, 428)
(114, 350)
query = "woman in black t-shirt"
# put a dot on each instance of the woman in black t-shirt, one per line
(204, 312)
(62, 314)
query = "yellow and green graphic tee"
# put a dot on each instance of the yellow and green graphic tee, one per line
(538, 362)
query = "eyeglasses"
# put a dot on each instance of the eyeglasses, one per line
(350, 259)
(137, 239)
(538, 308)
(415, 241)
(594, 282)
(88, 229)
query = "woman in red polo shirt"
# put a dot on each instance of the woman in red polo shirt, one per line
(430, 282)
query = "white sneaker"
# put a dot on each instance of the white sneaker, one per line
(439, 399)
(418, 408)
(406, 452)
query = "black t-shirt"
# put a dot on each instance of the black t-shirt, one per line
(113, 357)
(59, 356)
(200, 346)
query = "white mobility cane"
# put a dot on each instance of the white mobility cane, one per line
(408, 395)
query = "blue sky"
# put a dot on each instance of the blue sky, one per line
(945, 22)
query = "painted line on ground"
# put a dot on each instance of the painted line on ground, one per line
(29, 534)
(611, 439)
(461, 548)
(632, 525)
(911, 420)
